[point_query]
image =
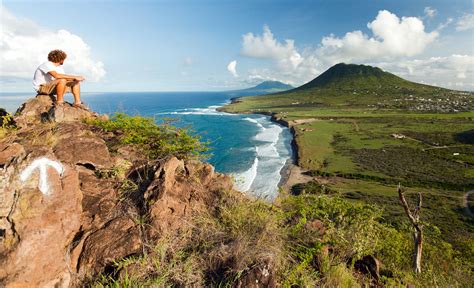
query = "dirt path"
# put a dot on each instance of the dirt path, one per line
(465, 203)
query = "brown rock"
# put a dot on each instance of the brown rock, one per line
(178, 190)
(69, 113)
(130, 152)
(118, 239)
(42, 108)
(85, 221)
(69, 130)
(201, 172)
(45, 225)
(83, 150)
(99, 201)
(33, 111)
(8, 152)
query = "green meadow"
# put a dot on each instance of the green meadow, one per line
(371, 130)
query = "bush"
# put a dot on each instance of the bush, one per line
(167, 264)
(155, 141)
(240, 234)
(6, 122)
(310, 241)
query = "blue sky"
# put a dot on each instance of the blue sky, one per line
(190, 45)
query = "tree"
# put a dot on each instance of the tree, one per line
(414, 218)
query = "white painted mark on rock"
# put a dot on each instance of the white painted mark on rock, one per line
(42, 164)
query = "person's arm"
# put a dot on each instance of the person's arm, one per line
(56, 75)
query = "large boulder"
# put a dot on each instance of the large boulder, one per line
(34, 110)
(69, 113)
(173, 197)
(42, 108)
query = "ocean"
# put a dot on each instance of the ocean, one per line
(250, 147)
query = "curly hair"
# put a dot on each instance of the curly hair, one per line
(57, 56)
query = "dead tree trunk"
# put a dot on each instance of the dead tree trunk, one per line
(418, 228)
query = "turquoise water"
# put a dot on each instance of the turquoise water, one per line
(250, 147)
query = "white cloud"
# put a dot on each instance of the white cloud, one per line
(430, 12)
(392, 45)
(292, 66)
(448, 71)
(266, 46)
(392, 37)
(466, 22)
(24, 45)
(188, 61)
(232, 68)
(445, 24)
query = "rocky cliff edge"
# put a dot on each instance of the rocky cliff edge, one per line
(64, 212)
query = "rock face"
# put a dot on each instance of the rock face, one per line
(41, 109)
(63, 219)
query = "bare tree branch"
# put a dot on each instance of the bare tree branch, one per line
(418, 229)
(405, 205)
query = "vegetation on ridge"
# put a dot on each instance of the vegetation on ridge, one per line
(349, 86)
(315, 238)
(366, 130)
(153, 140)
(6, 122)
(306, 241)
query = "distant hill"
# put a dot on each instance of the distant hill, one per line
(272, 85)
(266, 87)
(351, 85)
(355, 76)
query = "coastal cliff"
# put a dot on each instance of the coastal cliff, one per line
(70, 206)
(92, 201)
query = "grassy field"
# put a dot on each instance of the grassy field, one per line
(364, 139)
(355, 150)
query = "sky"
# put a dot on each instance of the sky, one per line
(223, 45)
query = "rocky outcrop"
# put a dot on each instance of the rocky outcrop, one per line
(42, 109)
(64, 216)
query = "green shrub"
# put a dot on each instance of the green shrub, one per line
(155, 141)
(311, 187)
(167, 264)
(240, 234)
(311, 241)
(6, 123)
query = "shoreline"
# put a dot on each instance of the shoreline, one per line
(294, 173)
(291, 173)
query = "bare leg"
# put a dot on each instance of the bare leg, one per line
(76, 91)
(60, 88)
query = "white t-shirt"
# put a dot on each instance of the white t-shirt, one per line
(42, 76)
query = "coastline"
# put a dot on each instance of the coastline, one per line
(291, 173)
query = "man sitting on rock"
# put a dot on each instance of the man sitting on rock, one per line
(50, 79)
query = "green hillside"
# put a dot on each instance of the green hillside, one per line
(361, 86)
(360, 131)
(352, 76)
